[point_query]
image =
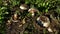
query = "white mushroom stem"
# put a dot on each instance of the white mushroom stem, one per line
(46, 24)
(15, 16)
(50, 30)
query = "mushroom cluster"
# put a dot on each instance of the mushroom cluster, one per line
(42, 21)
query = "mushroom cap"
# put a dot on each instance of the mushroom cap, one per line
(32, 10)
(43, 18)
(23, 7)
(44, 21)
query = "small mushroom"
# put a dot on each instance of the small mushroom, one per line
(23, 7)
(32, 10)
(43, 21)
(15, 16)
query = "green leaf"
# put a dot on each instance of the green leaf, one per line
(43, 4)
(46, 10)
(6, 13)
(3, 8)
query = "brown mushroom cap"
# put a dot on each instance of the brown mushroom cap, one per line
(44, 18)
(32, 10)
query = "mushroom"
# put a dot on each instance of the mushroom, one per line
(15, 16)
(43, 21)
(23, 7)
(32, 11)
